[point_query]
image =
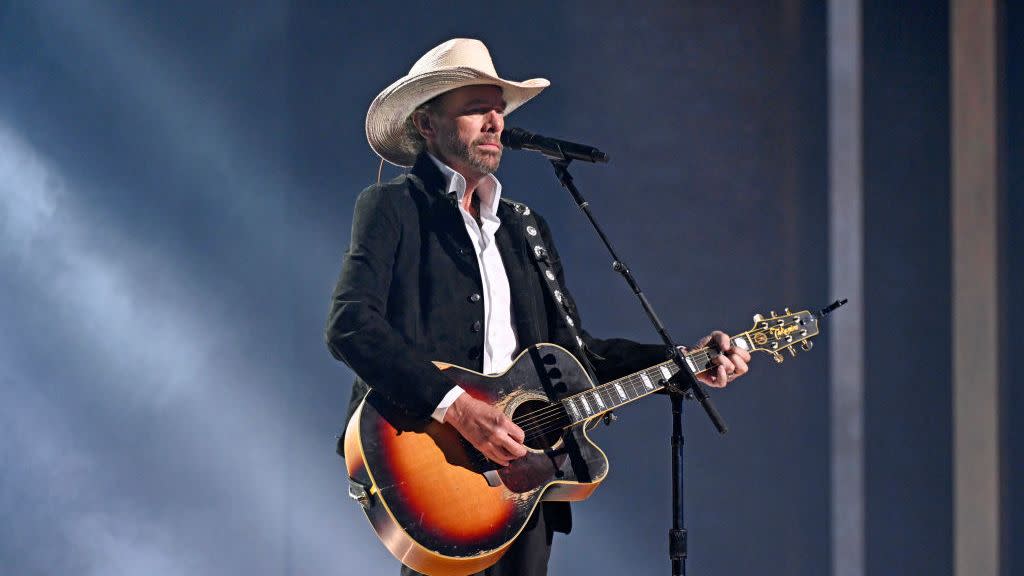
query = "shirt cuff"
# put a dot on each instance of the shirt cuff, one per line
(446, 403)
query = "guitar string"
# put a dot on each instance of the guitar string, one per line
(604, 391)
(532, 429)
(537, 418)
(537, 423)
(630, 379)
(556, 413)
(542, 427)
(543, 414)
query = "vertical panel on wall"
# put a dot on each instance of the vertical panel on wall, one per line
(976, 276)
(908, 381)
(1012, 107)
(846, 357)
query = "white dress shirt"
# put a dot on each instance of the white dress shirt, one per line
(499, 335)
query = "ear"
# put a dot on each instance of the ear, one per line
(421, 120)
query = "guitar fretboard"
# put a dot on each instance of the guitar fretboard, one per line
(605, 397)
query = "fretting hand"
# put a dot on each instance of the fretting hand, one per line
(731, 362)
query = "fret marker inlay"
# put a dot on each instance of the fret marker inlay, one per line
(597, 398)
(647, 381)
(691, 364)
(666, 372)
(586, 406)
(622, 393)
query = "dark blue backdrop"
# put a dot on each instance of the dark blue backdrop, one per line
(176, 183)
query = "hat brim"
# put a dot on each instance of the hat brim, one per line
(385, 120)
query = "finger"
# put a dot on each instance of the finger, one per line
(512, 448)
(496, 456)
(744, 354)
(721, 378)
(741, 366)
(703, 341)
(723, 361)
(518, 451)
(721, 340)
(515, 432)
(715, 380)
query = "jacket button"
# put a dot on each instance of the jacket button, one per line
(476, 326)
(474, 297)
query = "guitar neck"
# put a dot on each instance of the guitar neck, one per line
(622, 391)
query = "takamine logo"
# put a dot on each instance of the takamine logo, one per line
(781, 331)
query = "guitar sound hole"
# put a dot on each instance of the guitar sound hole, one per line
(533, 416)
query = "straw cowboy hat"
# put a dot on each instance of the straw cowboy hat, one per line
(456, 63)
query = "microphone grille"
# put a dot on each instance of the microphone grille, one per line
(514, 137)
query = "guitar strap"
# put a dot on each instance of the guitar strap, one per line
(542, 259)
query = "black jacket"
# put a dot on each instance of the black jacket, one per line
(410, 292)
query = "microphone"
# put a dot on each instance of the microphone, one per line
(519, 139)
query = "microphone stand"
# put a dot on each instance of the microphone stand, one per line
(676, 387)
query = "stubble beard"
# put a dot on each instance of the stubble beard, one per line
(473, 157)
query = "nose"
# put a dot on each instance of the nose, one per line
(494, 122)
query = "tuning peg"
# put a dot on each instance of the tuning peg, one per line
(792, 351)
(787, 311)
(773, 313)
(758, 318)
(807, 345)
(778, 357)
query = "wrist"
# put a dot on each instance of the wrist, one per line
(454, 413)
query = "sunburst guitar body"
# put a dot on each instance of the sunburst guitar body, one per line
(443, 509)
(438, 504)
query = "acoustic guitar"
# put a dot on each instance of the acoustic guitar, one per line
(443, 509)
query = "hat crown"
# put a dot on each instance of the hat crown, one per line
(456, 53)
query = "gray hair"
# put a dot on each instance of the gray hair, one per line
(413, 137)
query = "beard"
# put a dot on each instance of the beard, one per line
(483, 161)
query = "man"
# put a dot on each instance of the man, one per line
(437, 270)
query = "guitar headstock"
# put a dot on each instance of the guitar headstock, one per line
(778, 333)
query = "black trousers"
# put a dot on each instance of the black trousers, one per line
(528, 555)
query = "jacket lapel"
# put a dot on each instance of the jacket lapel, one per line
(444, 217)
(520, 271)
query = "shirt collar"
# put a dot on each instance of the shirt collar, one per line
(489, 189)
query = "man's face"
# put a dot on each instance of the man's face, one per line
(466, 129)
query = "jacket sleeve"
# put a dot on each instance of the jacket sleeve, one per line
(358, 332)
(612, 357)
